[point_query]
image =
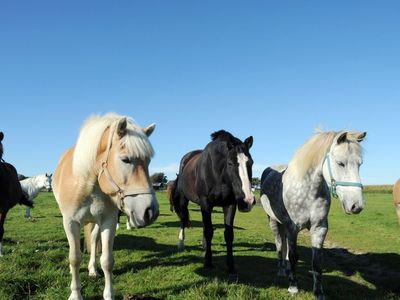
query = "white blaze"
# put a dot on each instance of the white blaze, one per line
(244, 177)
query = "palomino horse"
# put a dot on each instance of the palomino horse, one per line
(396, 198)
(33, 185)
(300, 196)
(219, 175)
(105, 171)
(10, 191)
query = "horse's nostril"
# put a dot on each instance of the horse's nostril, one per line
(355, 209)
(148, 214)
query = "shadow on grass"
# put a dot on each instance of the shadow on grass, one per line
(195, 224)
(260, 271)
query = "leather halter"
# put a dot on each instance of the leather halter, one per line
(121, 194)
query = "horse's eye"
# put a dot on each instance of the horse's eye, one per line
(126, 160)
(340, 164)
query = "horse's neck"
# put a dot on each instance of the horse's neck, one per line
(311, 182)
(31, 186)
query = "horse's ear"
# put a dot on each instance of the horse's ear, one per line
(149, 129)
(46, 175)
(248, 142)
(361, 137)
(121, 127)
(342, 138)
(1, 136)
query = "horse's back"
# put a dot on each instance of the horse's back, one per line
(68, 189)
(186, 181)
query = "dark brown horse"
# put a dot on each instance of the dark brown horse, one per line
(10, 191)
(219, 175)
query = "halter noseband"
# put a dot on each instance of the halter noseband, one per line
(333, 184)
(120, 192)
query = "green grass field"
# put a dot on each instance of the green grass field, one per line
(362, 261)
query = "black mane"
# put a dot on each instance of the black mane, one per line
(225, 136)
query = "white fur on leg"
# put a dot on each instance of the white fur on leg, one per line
(128, 225)
(1, 249)
(72, 230)
(293, 290)
(106, 258)
(117, 227)
(181, 244)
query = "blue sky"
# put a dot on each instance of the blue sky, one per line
(274, 70)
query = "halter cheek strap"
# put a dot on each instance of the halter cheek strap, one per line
(333, 183)
(121, 194)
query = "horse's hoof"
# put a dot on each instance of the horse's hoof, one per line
(93, 273)
(75, 296)
(293, 290)
(208, 266)
(320, 297)
(181, 246)
(233, 277)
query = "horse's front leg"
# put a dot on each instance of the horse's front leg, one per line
(208, 232)
(72, 230)
(318, 235)
(229, 215)
(107, 258)
(293, 258)
(2, 219)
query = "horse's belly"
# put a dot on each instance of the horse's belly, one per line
(266, 204)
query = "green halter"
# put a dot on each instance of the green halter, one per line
(333, 184)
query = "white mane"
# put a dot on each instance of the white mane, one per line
(311, 153)
(86, 148)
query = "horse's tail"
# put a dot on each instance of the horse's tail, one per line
(25, 201)
(87, 233)
(264, 176)
(173, 197)
(180, 204)
(170, 192)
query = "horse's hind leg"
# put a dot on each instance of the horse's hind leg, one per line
(317, 240)
(27, 213)
(2, 219)
(208, 233)
(181, 208)
(72, 230)
(94, 240)
(229, 215)
(293, 258)
(281, 245)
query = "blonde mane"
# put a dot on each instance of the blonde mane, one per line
(312, 152)
(86, 148)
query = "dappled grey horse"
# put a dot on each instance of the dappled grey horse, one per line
(299, 197)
